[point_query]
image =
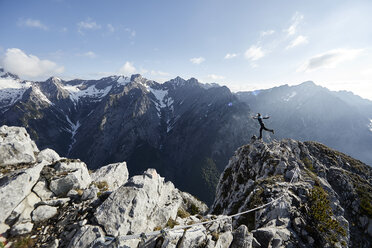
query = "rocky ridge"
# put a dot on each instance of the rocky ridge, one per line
(327, 205)
(49, 201)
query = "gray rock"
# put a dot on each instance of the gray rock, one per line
(16, 146)
(43, 213)
(143, 203)
(48, 155)
(14, 188)
(264, 235)
(114, 175)
(90, 193)
(22, 213)
(193, 237)
(189, 200)
(224, 240)
(42, 191)
(242, 238)
(22, 228)
(77, 178)
(3, 228)
(87, 236)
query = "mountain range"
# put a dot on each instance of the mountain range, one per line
(185, 129)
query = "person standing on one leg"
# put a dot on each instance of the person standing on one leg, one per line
(260, 118)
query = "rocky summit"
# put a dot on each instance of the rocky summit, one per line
(296, 194)
(327, 204)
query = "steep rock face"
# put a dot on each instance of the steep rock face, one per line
(327, 204)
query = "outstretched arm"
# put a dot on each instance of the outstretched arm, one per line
(254, 117)
(267, 117)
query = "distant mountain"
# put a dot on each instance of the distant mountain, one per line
(182, 128)
(310, 112)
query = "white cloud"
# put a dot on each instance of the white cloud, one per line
(198, 60)
(131, 32)
(87, 25)
(159, 73)
(254, 53)
(127, 68)
(267, 32)
(367, 71)
(296, 20)
(330, 59)
(33, 24)
(29, 66)
(215, 77)
(231, 55)
(110, 28)
(90, 54)
(298, 41)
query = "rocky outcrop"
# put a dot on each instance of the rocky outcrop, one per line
(114, 175)
(16, 147)
(327, 204)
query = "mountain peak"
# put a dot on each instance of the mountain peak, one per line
(307, 83)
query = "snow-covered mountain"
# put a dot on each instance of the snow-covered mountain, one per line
(183, 128)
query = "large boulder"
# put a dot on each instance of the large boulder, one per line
(87, 236)
(43, 212)
(69, 175)
(140, 205)
(16, 146)
(48, 155)
(114, 175)
(15, 187)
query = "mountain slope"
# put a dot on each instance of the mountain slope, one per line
(181, 128)
(310, 112)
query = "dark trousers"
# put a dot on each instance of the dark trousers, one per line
(264, 128)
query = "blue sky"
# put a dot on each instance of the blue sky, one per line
(245, 45)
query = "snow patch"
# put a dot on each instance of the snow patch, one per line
(162, 98)
(289, 96)
(123, 80)
(370, 125)
(11, 90)
(76, 93)
(73, 129)
(41, 95)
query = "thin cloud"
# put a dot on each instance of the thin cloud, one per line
(29, 66)
(300, 40)
(87, 25)
(90, 54)
(215, 77)
(254, 53)
(127, 69)
(267, 32)
(197, 60)
(110, 28)
(330, 59)
(159, 73)
(132, 32)
(32, 23)
(231, 55)
(296, 20)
